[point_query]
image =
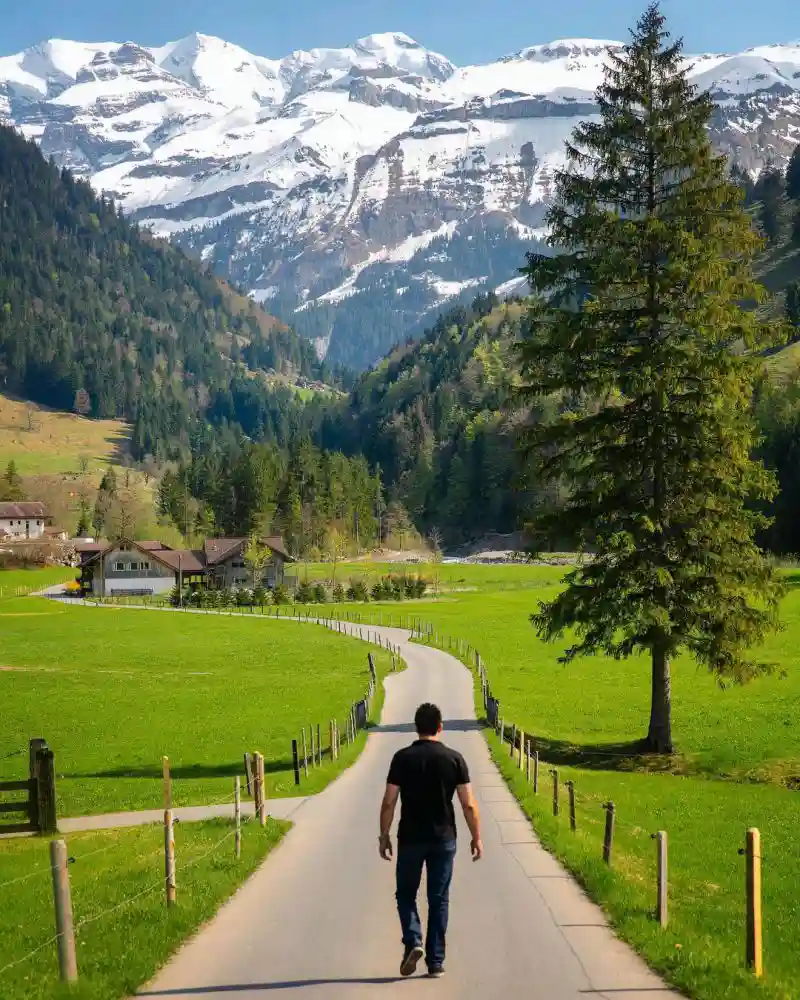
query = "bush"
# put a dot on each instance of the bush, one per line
(175, 596)
(338, 593)
(357, 591)
(243, 597)
(320, 593)
(259, 596)
(305, 593)
(280, 594)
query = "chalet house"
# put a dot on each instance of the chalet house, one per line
(22, 520)
(150, 567)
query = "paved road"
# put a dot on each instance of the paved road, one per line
(318, 920)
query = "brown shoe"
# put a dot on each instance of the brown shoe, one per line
(411, 957)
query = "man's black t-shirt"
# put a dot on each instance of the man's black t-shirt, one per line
(427, 773)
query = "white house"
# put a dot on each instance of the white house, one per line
(23, 519)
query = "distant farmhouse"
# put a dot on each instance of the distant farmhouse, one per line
(23, 520)
(143, 568)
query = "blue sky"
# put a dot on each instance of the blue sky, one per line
(464, 30)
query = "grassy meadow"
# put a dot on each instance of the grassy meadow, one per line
(43, 441)
(114, 690)
(124, 932)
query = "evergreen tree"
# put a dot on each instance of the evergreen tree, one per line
(793, 309)
(769, 191)
(656, 451)
(795, 237)
(793, 175)
(11, 484)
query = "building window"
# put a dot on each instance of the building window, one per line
(119, 567)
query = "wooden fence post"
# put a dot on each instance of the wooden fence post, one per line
(313, 747)
(528, 761)
(571, 790)
(754, 950)
(502, 731)
(257, 790)
(513, 740)
(554, 772)
(295, 762)
(535, 772)
(661, 863)
(34, 745)
(169, 858)
(305, 754)
(521, 749)
(261, 809)
(67, 961)
(608, 838)
(319, 746)
(248, 774)
(237, 816)
(46, 790)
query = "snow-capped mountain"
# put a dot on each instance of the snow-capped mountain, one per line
(354, 189)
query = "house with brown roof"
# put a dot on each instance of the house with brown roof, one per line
(150, 567)
(22, 520)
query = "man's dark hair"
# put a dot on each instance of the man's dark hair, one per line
(427, 719)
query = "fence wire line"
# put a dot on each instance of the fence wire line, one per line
(30, 954)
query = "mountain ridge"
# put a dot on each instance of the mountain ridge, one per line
(356, 190)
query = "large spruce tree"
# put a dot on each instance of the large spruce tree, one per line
(637, 326)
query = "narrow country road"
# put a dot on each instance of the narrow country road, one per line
(317, 920)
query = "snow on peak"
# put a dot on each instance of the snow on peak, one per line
(566, 48)
(387, 41)
(223, 71)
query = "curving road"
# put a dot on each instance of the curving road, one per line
(317, 920)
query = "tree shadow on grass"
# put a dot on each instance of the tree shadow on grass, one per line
(626, 756)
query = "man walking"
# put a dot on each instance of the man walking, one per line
(425, 776)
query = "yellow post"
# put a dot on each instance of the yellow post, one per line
(754, 942)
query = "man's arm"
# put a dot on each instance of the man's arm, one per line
(471, 814)
(388, 806)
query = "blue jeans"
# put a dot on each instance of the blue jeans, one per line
(438, 859)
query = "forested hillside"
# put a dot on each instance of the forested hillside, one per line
(98, 316)
(437, 417)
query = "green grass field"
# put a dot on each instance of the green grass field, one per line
(702, 949)
(15, 582)
(113, 691)
(124, 932)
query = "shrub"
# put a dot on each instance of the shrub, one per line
(243, 597)
(320, 594)
(305, 593)
(338, 593)
(357, 591)
(280, 594)
(259, 596)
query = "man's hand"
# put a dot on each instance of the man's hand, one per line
(476, 846)
(385, 846)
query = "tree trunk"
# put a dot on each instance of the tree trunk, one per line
(659, 736)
